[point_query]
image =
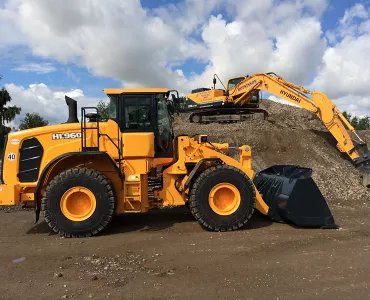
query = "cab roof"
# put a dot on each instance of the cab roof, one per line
(115, 91)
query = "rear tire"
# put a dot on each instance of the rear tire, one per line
(79, 202)
(222, 198)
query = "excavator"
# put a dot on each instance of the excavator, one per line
(241, 98)
(211, 105)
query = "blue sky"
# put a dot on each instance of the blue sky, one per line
(178, 45)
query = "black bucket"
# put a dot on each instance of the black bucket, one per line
(293, 196)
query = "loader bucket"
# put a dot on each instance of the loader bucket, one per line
(293, 196)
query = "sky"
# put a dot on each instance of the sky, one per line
(49, 49)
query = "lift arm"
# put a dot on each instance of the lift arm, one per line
(315, 102)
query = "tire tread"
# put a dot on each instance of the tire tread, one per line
(196, 210)
(65, 175)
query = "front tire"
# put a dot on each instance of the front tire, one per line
(79, 202)
(222, 198)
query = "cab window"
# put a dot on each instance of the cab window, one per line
(233, 82)
(137, 113)
(164, 124)
(112, 107)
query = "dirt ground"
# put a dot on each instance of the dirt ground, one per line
(166, 255)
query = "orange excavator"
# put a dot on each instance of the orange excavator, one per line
(241, 97)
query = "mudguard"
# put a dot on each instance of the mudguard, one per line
(293, 196)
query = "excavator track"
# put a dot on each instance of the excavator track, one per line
(226, 115)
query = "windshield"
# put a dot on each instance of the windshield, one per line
(112, 107)
(164, 124)
(233, 82)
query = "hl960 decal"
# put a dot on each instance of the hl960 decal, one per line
(67, 135)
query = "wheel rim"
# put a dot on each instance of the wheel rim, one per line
(224, 199)
(78, 203)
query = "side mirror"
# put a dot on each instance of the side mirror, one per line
(93, 117)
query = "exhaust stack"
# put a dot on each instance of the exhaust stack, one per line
(72, 110)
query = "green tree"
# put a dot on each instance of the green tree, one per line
(364, 124)
(348, 116)
(32, 120)
(7, 113)
(358, 123)
(354, 122)
(103, 109)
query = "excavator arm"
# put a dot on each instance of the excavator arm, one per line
(316, 102)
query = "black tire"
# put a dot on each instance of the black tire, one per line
(95, 182)
(201, 209)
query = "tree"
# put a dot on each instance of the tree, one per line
(32, 120)
(356, 122)
(364, 124)
(347, 115)
(7, 113)
(103, 109)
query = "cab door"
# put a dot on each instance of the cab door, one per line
(147, 113)
(164, 132)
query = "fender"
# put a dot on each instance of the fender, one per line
(37, 206)
(197, 166)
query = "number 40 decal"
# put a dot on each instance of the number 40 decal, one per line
(11, 157)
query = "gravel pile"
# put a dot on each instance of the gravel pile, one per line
(294, 136)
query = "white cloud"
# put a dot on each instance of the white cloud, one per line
(187, 16)
(10, 34)
(118, 39)
(349, 23)
(355, 104)
(265, 36)
(36, 68)
(123, 41)
(345, 71)
(48, 103)
(69, 73)
(357, 11)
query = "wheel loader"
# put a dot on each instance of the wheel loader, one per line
(81, 173)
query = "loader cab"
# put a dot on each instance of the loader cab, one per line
(143, 110)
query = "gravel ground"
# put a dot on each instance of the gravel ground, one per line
(165, 254)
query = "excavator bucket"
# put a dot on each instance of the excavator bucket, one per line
(293, 196)
(365, 175)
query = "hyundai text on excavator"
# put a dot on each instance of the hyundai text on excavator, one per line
(81, 173)
(241, 95)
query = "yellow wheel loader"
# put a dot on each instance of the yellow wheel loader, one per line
(83, 172)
